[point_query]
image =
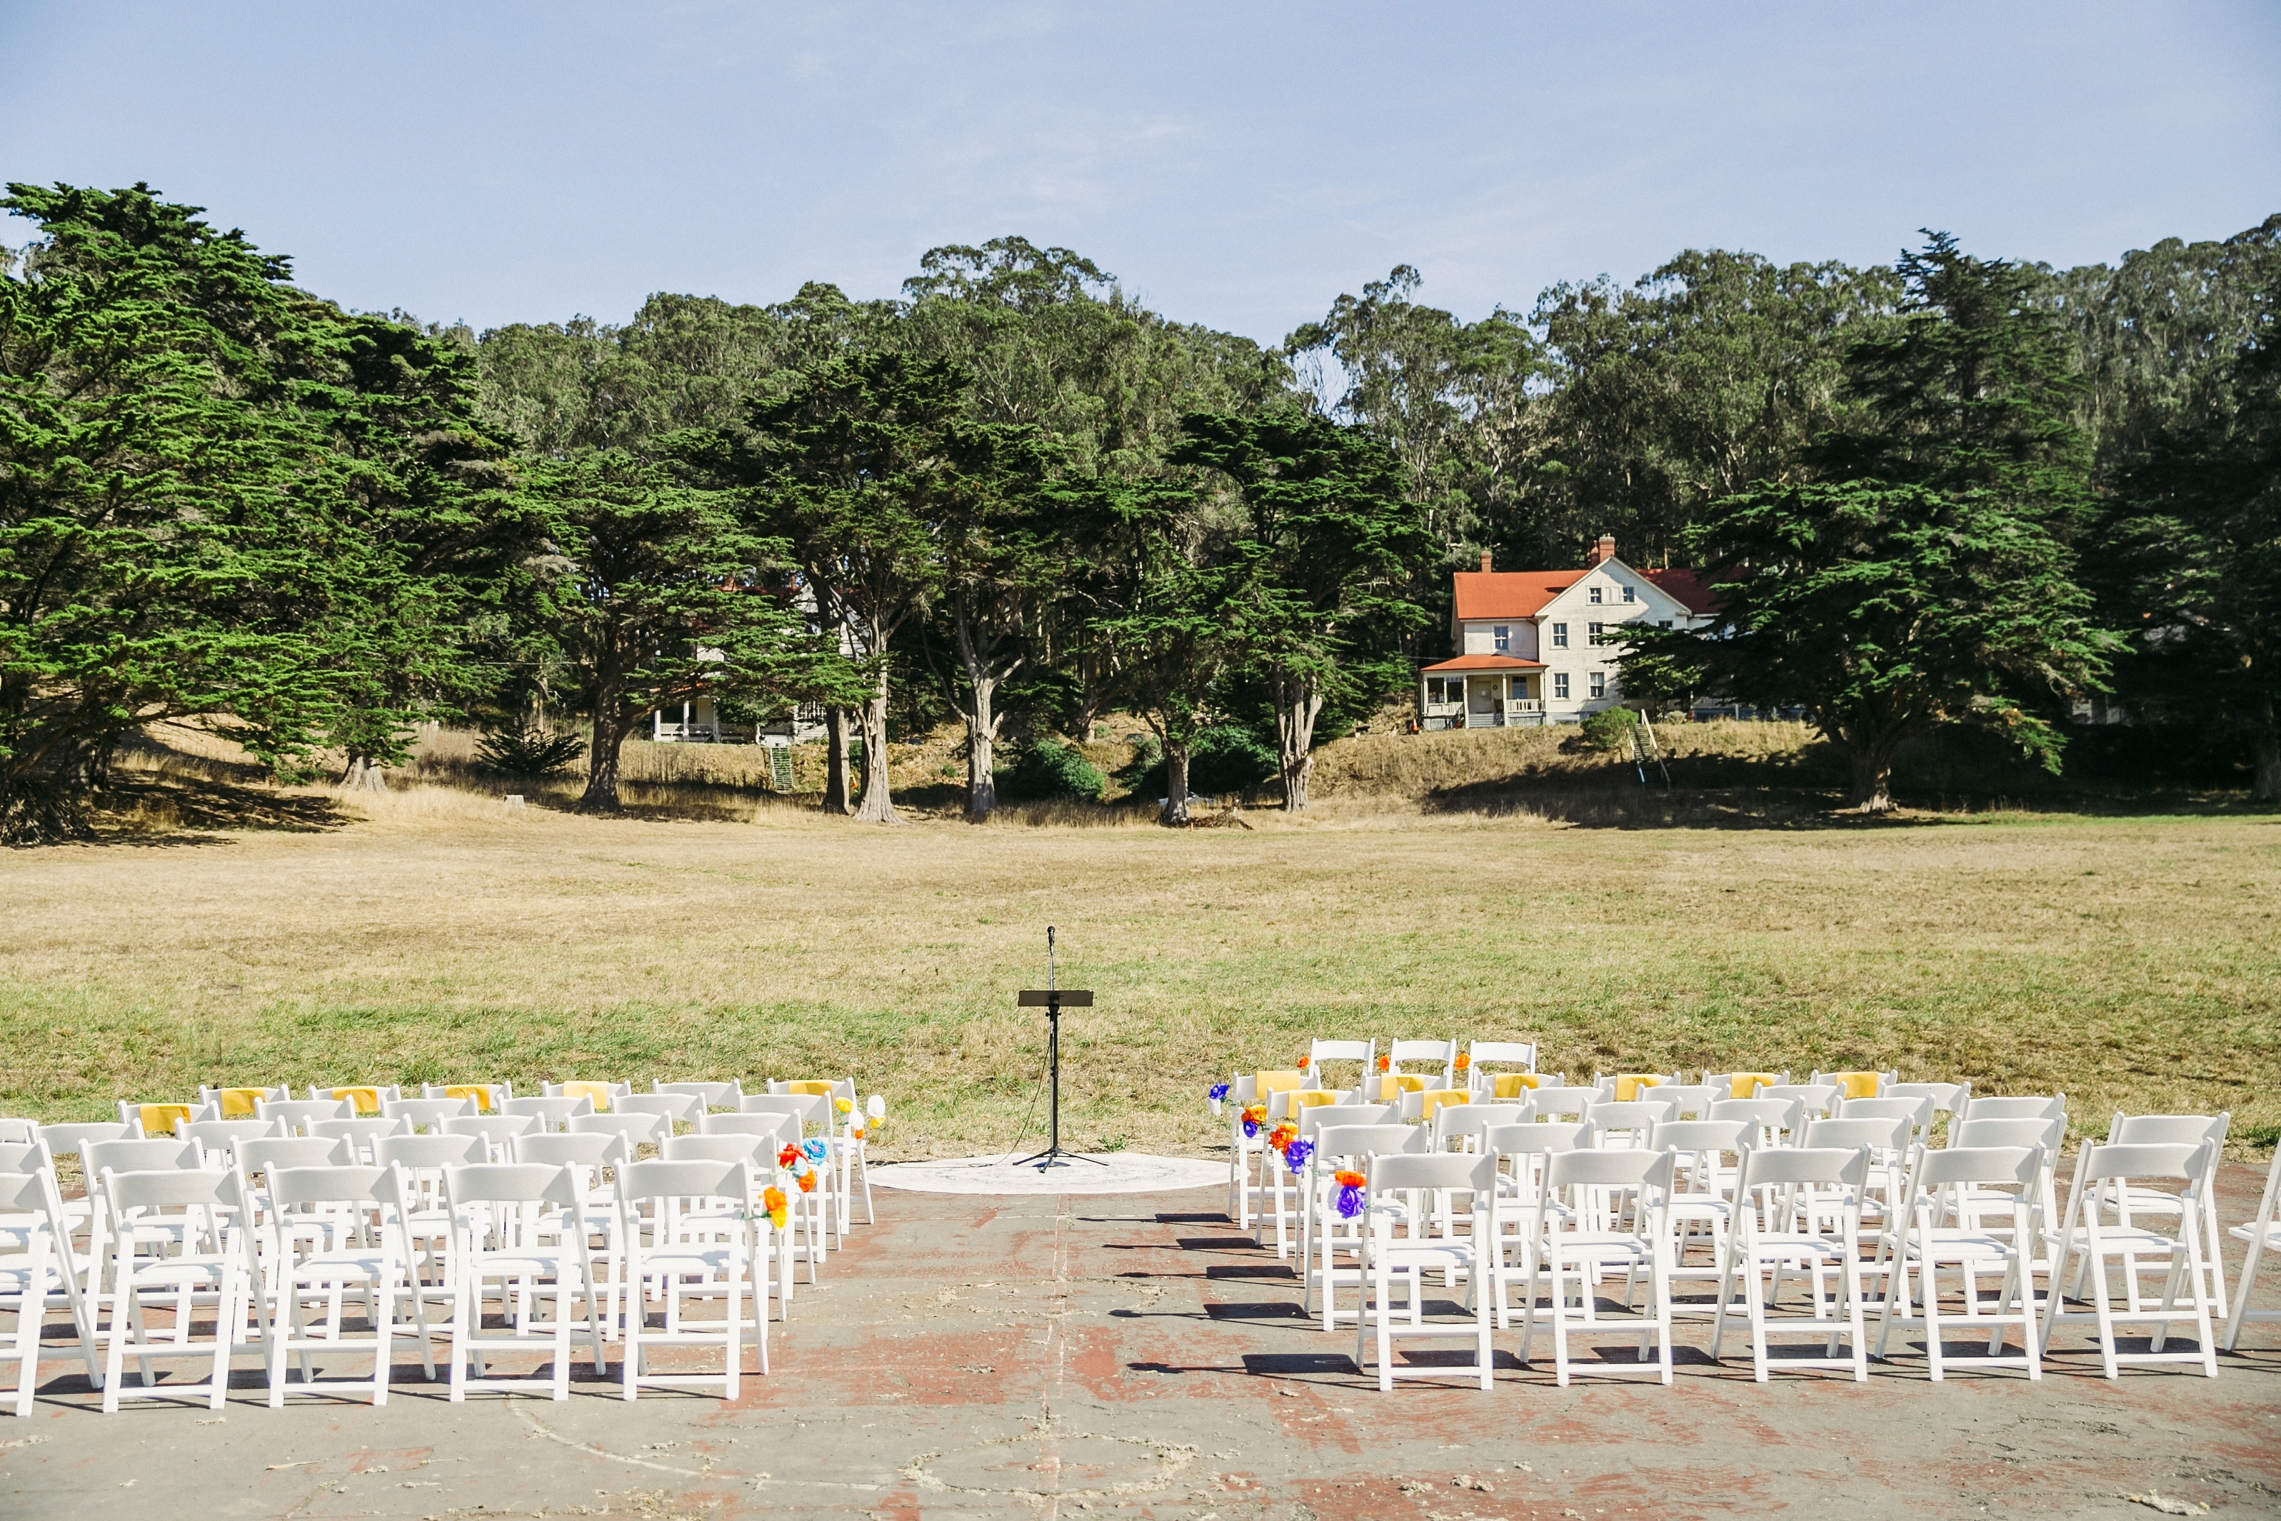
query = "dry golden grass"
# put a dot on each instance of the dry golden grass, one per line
(432, 933)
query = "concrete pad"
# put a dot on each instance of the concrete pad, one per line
(1137, 1357)
(1084, 1174)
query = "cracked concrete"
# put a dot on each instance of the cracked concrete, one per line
(1136, 1357)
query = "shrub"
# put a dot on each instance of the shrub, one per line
(1223, 759)
(1610, 728)
(1050, 770)
(528, 752)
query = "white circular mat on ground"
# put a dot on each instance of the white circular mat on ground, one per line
(1117, 1172)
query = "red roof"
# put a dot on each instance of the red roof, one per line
(1687, 586)
(1523, 593)
(1509, 593)
(1487, 663)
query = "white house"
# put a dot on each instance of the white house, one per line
(1539, 646)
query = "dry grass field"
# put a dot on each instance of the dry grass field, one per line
(431, 933)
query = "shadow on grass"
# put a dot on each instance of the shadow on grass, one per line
(1625, 804)
(171, 813)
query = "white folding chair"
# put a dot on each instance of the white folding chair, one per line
(773, 1254)
(37, 1271)
(2086, 1237)
(503, 1253)
(806, 1234)
(1402, 1242)
(1330, 1236)
(161, 1229)
(1922, 1238)
(1797, 1211)
(689, 1237)
(375, 1262)
(1522, 1151)
(1598, 1211)
(1251, 1166)
(2176, 1130)
(214, 1268)
(2263, 1234)
(420, 1161)
(1706, 1157)
(1483, 1058)
(586, 1154)
(1363, 1053)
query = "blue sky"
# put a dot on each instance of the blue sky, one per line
(1237, 165)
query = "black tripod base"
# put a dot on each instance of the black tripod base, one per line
(1056, 1157)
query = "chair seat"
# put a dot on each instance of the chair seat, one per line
(2249, 1233)
(2114, 1240)
(326, 1266)
(1953, 1245)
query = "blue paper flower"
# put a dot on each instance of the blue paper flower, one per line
(815, 1148)
(1219, 1091)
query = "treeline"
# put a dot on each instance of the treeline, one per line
(1014, 497)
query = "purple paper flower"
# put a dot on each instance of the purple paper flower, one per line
(1349, 1201)
(1219, 1091)
(1295, 1155)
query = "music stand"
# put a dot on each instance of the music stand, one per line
(1053, 999)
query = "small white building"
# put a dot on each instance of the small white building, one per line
(1539, 646)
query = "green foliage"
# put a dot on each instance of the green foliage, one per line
(1050, 770)
(528, 751)
(1222, 759)
(1610, 728)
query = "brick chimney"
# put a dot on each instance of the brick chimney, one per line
(1604, 550)
(1484, 562)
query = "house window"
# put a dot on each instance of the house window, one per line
(1592, 631)
(1503, 635)
(1595, 594)
(1560, 636)
(1599, 683)
(1520, 687)
(1439, 690)
(1560, 683)
(1629, 595)
(1663, 623)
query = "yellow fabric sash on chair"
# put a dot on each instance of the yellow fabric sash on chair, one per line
(1265, 1083)
(161, 1119)
(598, 1093)
(1628, 1084)
(1515, 1084)
(362, 1101)
(1744, 1084)
(239, 1103)
(1308, 1098)
(810, 1087)
(480, 1092)
(1434, 1098)
(1853, 1084)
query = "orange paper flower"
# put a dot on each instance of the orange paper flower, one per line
(1385, 1063)
(1303, 1062)
(772, 1200)
(1283, 1135)
(1464, 1060)
(1350, 1180)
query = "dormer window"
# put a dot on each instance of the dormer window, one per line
(1594, 593)
(1503, 635)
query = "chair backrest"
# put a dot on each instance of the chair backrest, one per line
(27, 1186)
(290, 1151)
(1502, 1086)
(1635, 1119)
(553, 1113)
(1368, 1140)
(816, 1087)
(807, 1108)
(1694, 1137)
(240, 1103)
(777, 1129)
(676, 1108)
(728, 1095)
(2101, 1164)
(602, 1096)
(1528, 1138)
(297, 1115)
(289, 1186)
(1608, 1169)
(759, 1150)
(1321, 1117)
(427, 1151)
(427, 1113)
(1983, 1165)
(155, 1120)
(1917, 1111)
(1687, 1101)
(1742, 1085)
(633, 1125)
(1769, 1115)
(488, 1098)
(1625, 1087)
(1561, 1103)
(512, 1183)
(2047, 1133)
(1790, 1166)
(2016, 1107)
(71, 1140)
(1855, 1085)
(140, 1156)
(495, 1129)
(1442, 1053)
(1453, 1121)
(1501, 1053)
(2168, 1129)
(589, 1149)
(187, 1188)
(360, 1134)
(1854, 1131)
(216, 1137)
(1434, 1170)
(691, 1178)
(1363, 1053)
(1816, 1098)
(1948, 1098)
(364, 1099)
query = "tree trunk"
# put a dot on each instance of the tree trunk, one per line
(1175, 785)
(877, 806)
(1297, 705)
(609, 734)
(981, 741)
(836, 790)
(2267, 786)
(364, 774)
(1089, 698)
(1873, 778)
